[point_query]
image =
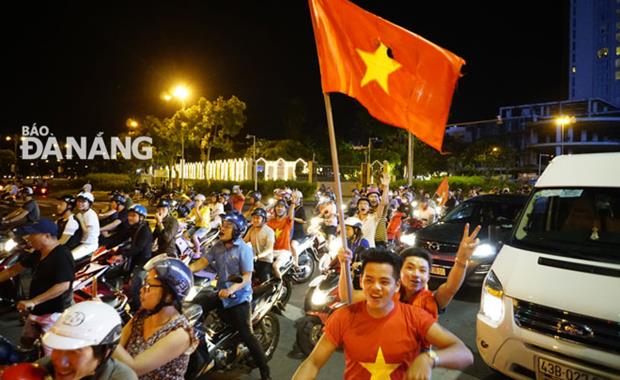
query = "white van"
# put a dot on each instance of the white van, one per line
(550, 305)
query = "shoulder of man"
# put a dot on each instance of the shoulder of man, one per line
(116, 370)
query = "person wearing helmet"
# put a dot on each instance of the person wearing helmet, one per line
(225, 194)
(116, 223)
(282, 225)
(237, 199)
(165, 354)
(165, 230)
(201, 215)
(82, 342)
(254, 201)
(69, 232)
(89, 222)
(53, 271)
(232, 257)
(138, 252)
(370, 220)
(299, 216)
(329, 217)
(217, 210)
(355, 238)
(262, 238)
(29, 212)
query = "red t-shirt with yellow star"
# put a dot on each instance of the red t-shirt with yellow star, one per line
(378, 348)
(282, 229)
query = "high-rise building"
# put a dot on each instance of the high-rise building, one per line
(594, 60)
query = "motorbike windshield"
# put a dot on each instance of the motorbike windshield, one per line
(580, 223)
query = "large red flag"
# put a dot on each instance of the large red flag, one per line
(401, 78)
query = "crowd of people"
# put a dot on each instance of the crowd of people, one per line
(391, 301)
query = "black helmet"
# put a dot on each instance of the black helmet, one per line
(238, 221)
(256, 195)
(118, 198)
(163, 203)
(260, 212)
(69, 199)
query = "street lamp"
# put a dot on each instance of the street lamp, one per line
(254, 159)
(180, 92)
(562, 121)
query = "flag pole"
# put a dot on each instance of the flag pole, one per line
(334, 152)
(410, 159)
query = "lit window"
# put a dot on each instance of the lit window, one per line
(617, 50)
(617, 75)
(617, 62)
(602, 53)
(573, 69)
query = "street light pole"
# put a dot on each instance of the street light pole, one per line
(562, 121)
(254, 171)
(182, 148)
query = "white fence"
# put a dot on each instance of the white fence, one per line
(234, 170)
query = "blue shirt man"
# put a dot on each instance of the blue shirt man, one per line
(231, 263)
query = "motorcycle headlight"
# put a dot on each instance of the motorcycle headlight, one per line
(319, 297)
(491, 300)
(9, 245)
(484, 250)
(408, 239)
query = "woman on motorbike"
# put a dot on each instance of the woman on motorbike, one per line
(158, 340)
(355, 238)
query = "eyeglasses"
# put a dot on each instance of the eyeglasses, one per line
(146, 286)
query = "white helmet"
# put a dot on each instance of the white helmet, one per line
(86, 195)
(88, 323)
(353, 222)
(200, 197)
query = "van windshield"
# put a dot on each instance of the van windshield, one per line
(581, 223)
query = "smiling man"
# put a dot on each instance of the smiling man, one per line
(382, 338)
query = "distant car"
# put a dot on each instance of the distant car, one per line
(495, 213)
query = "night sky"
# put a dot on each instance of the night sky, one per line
(81, 69)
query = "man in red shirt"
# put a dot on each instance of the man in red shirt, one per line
(237, 199)
(282, 226)
(381, 337)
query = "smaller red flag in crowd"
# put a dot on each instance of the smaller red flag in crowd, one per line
(443, 191)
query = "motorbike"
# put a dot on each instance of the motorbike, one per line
(220, 347)
(184, 244)
(90, 282)
(12, 290)
(320, 301)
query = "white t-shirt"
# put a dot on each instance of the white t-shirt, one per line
(71, 226)
(369, 228)
(217, 209)
(90, 227)
(427, 216)
(261, 240)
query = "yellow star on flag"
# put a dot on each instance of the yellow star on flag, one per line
(380, 370)
(278, 232)
(378, 66)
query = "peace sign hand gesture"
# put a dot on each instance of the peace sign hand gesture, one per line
(468, 244)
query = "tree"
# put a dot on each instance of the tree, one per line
(214, 123)
(289, 150)
(7, 158)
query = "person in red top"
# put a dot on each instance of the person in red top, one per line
(282, 225)
(382, 338)
(237, 200)
(415, 274)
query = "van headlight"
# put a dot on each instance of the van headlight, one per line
(491, 300)
(408, 239)
(484, 250)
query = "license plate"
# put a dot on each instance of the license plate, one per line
(550, 370)
(439, 271)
